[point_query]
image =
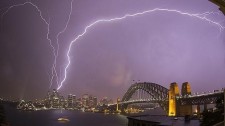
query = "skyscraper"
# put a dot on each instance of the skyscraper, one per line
(85, 100)
(74, 100)
(95, 101)
(70, 101)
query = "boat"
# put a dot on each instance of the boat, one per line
(63, 119)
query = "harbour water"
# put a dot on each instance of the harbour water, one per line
(50, 118)
(76, 118)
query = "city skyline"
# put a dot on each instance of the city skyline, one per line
(161, 47)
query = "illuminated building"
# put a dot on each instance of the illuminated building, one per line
(62, 102)
(105, 101)
(85, 100)
(70, 101)
(28, 106)
(91, 101)
(95, 101)
(74, 100)
(54, 100)
(49, 95)
(88, 101)
(55, 93)
(48, 101)
(79, 103)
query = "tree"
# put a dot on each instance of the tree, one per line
(2, 115)
(212, 117)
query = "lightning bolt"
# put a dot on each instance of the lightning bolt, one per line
(63, 30)
(54, 72)
(202, 17)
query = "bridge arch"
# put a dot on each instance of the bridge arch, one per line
(158, 92)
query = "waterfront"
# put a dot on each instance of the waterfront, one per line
(49, 118)
(77, 118)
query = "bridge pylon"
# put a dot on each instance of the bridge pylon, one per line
(186, 89)
(184, 109)
(173, 92)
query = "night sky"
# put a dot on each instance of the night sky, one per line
(160, 47)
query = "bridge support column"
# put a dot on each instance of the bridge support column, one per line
(184, 110)
(173, 92)
(198, 111)
(205, 107)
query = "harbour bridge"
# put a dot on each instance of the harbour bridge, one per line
(170, 100)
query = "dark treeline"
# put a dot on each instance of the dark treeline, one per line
(213, 117)
(2, 116)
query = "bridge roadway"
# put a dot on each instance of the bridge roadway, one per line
(197, 99)
(200, 99)
(136, 101)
